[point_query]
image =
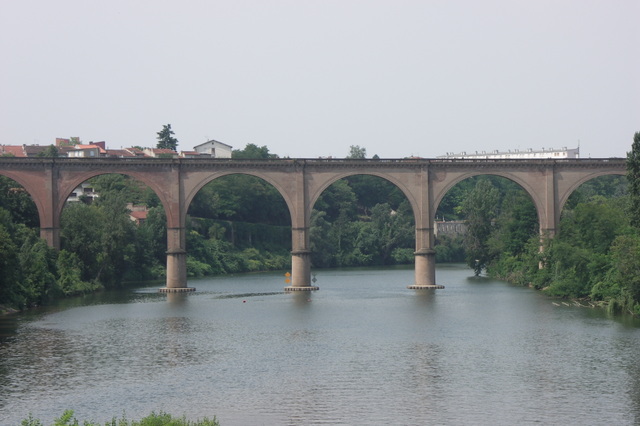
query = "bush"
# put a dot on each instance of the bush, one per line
(153, 419)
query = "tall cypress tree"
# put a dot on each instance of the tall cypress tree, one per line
(633, 175)
(166, 139)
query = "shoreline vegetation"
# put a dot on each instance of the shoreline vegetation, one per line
(239, 223)
(154, 419)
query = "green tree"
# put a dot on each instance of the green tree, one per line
(253, 152)
(372, 190)
(18, 203)
(480, 209)
(633, 176)
(9, 270)
(166, 139)
(357, 153)
(241, 198)
(51, 151)
(361, 220)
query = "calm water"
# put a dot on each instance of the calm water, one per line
(362, 350)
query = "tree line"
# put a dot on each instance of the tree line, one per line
(595, 255)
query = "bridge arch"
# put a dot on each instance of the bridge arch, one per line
(322, 186)
(359, 222)
(192, 190)
(34, 191)
(70, 184)
(533, 194)
(564, 196)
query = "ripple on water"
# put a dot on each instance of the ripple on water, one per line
(362, 350)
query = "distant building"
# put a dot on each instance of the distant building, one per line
(214, 148)
(84, 191)
(193, 154)
(86, 151)
(160, 152)
(452, 227)
(516, 154)
(137, 152)
(34, 150)
(137, 214)
(12, 151)
(72, 148)
(119, 153)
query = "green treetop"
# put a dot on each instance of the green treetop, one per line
(356, 152)
(166, 139)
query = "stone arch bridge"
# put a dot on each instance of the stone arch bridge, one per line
(424, 182)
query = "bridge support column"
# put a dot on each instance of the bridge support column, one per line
(425, 270)
(51, 236)
(176, 265)
(301, 272)
(425, 260)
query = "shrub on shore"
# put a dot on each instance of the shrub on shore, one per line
(153, 419)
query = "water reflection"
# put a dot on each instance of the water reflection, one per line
(425, 298)
(301, 299)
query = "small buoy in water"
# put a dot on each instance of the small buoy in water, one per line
(244, 301)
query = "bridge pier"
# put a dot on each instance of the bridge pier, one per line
(51, 235)
(301, 272)
(425, 270)
(176, 272)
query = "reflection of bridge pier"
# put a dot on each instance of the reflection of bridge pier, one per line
(424, 182)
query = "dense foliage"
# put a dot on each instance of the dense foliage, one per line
(27, 264)
(100, 245)
(361, 220)
(595, 256)
(499, 216)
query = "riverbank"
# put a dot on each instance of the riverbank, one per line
(6, 310)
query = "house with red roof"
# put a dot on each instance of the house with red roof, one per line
(12, 151)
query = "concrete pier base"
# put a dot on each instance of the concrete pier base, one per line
(301, 288)
(176, 289)
(424, 286)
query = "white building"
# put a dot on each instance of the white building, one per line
(214, 148)
(516, 154)
(83, 190)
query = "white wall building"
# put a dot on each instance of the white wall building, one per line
(83, 190)
(516, 154)
(214, 148)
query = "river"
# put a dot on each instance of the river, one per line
(362, 350)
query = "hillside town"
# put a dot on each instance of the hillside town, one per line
(74, 148)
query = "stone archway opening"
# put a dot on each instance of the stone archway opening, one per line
(112, 230)
(597, 189)
(594, 244)
(27, 269)
(485, 221)
(16, 202)
(362, 220)
(237, 223)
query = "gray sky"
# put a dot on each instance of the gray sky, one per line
(311, 78)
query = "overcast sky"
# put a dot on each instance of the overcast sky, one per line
(312, 78)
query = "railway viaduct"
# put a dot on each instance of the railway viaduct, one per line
(424, 182)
